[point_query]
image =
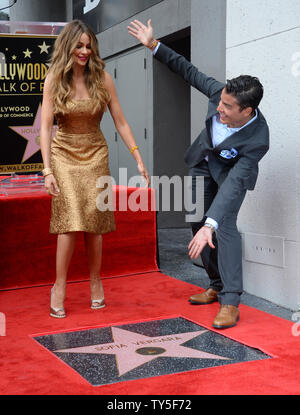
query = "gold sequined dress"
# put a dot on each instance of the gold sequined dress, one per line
(79, 157)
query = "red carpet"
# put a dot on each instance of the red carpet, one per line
(28, 368)
(27, 258)
(27, 250)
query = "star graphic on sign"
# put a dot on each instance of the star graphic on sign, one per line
(14, 57)
(31, 133)
(133, 350)
(44, 47)
(27, 53)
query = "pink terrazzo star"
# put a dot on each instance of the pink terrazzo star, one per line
(133, 349)
(31, 133)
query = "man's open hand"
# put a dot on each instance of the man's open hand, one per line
(141, 32)
(202, 237)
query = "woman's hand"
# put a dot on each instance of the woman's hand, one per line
(141, 32)
(143, 171)
(51, 185)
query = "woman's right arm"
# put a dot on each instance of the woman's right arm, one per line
(46, 135)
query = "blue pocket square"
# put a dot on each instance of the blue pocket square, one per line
(229, 154)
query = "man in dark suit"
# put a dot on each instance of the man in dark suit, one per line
(226, 154)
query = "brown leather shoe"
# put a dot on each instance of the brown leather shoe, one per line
(227, 316)
(207, 297)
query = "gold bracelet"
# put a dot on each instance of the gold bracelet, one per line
(134, 148)
(154, 44)
(47, 171)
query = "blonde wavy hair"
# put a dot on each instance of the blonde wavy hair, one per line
(61, 68)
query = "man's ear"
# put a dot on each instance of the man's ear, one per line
(247, 111)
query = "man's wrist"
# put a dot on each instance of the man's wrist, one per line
(212, 222)
(152, 44)
(210, 226)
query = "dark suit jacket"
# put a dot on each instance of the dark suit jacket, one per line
(232, 175)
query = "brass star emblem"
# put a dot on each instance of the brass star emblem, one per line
(27, 53)
(44, 47)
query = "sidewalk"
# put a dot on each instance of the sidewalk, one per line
(174, 261)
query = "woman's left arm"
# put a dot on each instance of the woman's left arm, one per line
(123, 127)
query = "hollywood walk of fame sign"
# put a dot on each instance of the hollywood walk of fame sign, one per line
(23, 67)
(119, 353)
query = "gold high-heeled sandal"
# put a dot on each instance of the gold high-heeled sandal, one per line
(56, 312)
(97, 304)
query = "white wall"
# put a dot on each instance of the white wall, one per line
(263, 39)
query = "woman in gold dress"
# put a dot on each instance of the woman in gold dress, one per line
(77, 91)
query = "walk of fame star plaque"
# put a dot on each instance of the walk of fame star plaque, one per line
(24, 62)
(113, 354)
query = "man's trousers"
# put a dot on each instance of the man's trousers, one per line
(224, 263)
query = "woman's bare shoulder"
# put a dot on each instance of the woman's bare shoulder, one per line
(107, 78)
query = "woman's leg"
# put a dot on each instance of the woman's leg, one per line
(93, 243)
(64, 251)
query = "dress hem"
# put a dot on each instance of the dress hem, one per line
(81, 230)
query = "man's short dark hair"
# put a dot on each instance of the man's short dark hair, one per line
(247, 90)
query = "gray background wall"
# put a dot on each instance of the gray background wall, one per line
(227, 38)
(263, 37)
(260, 37)
(208, 51)
(39, 10)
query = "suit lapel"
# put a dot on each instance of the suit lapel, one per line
(212, 110)
(239, 136)
(233, 139)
